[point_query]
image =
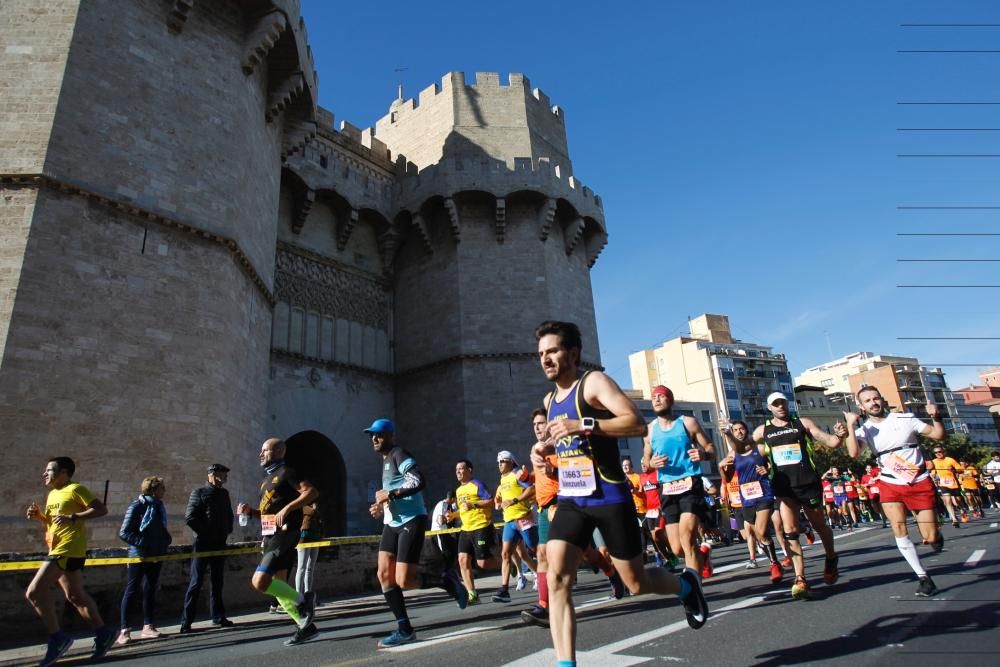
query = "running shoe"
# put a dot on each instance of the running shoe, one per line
(671, 562)
(396, 638)
(801, 590)
(502, 595)
(830, 572)
(522, 583)
(124, 638)
(751, 565)
(617, 587)
(473, 598)
(695, 605)
(452, 582)
(955, 524)
(307, 608)
(786, 561)
(926, 588)
(59, 643)
(810, 535)
(776, 573)
(275, 609)
(537, 615)
(302, 635)
(104, 639)
(150, 632)
(706, 564)
(938, 544)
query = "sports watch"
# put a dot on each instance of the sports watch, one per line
(589, 425)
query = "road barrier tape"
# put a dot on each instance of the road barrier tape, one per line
(15, 566)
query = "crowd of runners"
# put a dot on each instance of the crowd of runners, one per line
(568, 498)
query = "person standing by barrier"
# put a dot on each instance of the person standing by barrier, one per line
(311, 531)
(67, 507)
(444, 517)
(210, 516)
(144, 529)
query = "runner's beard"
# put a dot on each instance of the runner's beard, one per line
(663, 412)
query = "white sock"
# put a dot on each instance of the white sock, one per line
(910, 554)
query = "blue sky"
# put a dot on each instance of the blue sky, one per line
(747, 157)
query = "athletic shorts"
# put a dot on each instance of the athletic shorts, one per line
(575, 524)
(479, 543)
(915, 497)
(512, 532)
(949, 492)
(750, 511)
(543, 523)
(405, 541)
(691, 501)
(839, 499)
(67, 564)
(652, 523)
(279, 552)
(737, 514)
(809, 496)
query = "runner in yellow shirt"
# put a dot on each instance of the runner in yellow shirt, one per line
(478, 537)
(67, 507)
(944, 470)
(514, 495)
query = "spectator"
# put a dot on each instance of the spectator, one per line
(145, 531)
(210, 516)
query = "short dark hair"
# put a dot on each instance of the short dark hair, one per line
(995, 454)
(539, 412)
(467, 462)
(740, 422)
(64, 463)
(569, 333)
(869, 387)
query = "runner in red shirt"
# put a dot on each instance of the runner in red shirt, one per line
(653, 524)
(870, 480)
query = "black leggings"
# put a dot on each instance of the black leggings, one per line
(149, 575)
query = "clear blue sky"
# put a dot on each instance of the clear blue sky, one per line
(746, 153)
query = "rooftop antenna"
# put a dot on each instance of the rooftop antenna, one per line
(399, 92)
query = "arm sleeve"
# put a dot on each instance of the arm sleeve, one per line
(413, 479)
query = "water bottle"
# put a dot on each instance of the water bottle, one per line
(244, 519)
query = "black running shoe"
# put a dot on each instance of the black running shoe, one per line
(926, 588)
(695, 605)
(104, 639)
(938, 544)
(451, 581)
(307, 609)
(502, 595)
(537, 615)
(617, 587)
(302, 635)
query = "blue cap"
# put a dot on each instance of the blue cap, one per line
(381, 426)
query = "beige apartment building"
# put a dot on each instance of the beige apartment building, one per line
(710, 366)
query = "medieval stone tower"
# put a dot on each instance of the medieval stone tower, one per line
(195, 258)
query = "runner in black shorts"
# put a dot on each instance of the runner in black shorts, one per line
(587, 413)
(789, 449)
(283, 494)
(477, 541)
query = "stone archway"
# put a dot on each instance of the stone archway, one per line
(321, 463)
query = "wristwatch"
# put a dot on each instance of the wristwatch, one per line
(588, 424)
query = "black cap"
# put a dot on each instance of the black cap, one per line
(217, 467)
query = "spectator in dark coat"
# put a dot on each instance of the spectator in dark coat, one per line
(210, 515)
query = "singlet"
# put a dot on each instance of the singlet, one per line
(651, 487)
(546, 487)
(870, 480)
(850, 487)
(638, 494)
(673, 443)
(394, 469)
(277, 490)
(474, 518)
(69, 539)
(590, 473)
(755, 488)
(827, 491)
(789, 449)
(838, 485)
(511, 487)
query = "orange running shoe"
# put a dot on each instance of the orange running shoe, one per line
(830, 573)
(776, 573)
(786, 561)
(801, 590)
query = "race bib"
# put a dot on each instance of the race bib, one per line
(268, 526)
(948, 482)
(652, 514)
(751, 490)
(576, 476)
(990, 485)
(786, 455)
(526, 522)
(838, 489)
(873, 490)
(677, 486)
(903, 469)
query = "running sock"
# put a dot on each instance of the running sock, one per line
(543, 590)
(685, 588)
(394, 596)
(910, 554)
(771, 553)
(287, 597)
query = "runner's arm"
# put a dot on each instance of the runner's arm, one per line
(307, 494)
(935, 430)
(853, 446)
(819, 434)
(600, 391)
(700, 439)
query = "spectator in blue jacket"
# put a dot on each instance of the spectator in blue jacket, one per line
(145, 531)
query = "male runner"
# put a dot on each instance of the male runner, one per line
(654, 524)
(676, 446)
(478, 537)
(991, 479)
(67, 507)
(283, 494)
(945, 470)
(788, 446)
(587, 412)
(870, 481)
(546, 489)
(513, 497)
(970, 488)
(904, 481)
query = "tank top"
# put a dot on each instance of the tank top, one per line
(673, 443)
(590, 474)
(789, 449)
(755, 489)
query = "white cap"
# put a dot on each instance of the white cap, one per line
(776, 396)
(506, 456)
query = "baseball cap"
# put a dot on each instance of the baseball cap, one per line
(217, 467)
(506, 456)
(776, 396)
(381, 426)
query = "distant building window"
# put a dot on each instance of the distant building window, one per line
(323, 161)
(821, 403)
(827, 383)
(706, 416)
(812, 403)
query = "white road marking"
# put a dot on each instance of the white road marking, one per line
(994, 525)
(440, 639)
(976, 556)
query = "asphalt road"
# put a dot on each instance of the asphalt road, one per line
(870, 617)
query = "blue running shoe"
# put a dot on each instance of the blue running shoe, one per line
(396, 638)
(452, 582)
(59, 643)
(104, 639)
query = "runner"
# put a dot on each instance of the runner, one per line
(970, 488)
(68, 506)
(587, 413)
(870, 481)
(676, 446)
(748, 464)
(478, 537)
(654, 525)
(445, 516)
(851, 491)
(944, 473)
(830, 501)
(991, 479)
(904, 480)
(789, 448)
(845, 507)
(283, 494)
(731, 496)
(546, 489)
(514, 497)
